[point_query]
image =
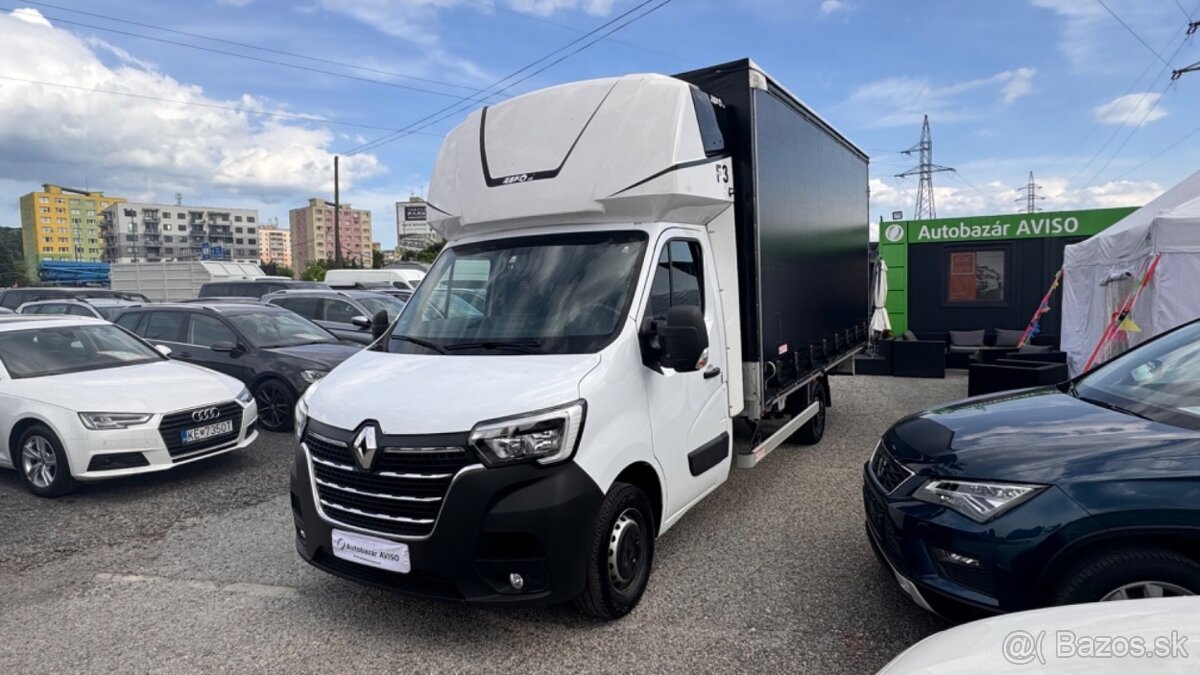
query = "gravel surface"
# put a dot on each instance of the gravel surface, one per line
(195, 570)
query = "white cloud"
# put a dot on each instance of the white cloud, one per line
(955, 197)
(1131, 110)
(128, 145)
(833, 7)
(234, 3)
(548, 7)
(901, 101)
(29, 15)
(1093, 40)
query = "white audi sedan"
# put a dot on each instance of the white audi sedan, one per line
(82, 399)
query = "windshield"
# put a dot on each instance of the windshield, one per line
(268, 330)
(1159, 381)
(71, 349)
(558, 294)
(383, 302)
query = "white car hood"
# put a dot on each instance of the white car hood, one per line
(159, 387)
(1028, 642)
(434, 394)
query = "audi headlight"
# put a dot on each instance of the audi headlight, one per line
(103, 420)
(978, 500)
(548, 436)
(245, 397)
(311, 376)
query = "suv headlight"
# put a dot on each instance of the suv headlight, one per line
(301, 418)
(548, 436)
(978, 500)
(102, 420)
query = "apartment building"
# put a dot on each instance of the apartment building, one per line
(62, 223)
(140, 232)
(313, 235)
(413, 232)
(275, 245)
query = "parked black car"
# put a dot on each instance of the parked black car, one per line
(253, 288)
(12, 298)
(275, 352)
(1081, 492)
(346, 314)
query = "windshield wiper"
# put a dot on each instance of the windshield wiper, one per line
(420, 343)
(527, 346)
(1111, 406)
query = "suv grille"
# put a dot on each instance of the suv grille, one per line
(402, 496)
(887, 470)
(174, 423)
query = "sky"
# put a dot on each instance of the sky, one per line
(244, 103)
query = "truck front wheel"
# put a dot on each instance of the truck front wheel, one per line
(620, 554)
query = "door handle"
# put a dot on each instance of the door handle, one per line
(711, 373)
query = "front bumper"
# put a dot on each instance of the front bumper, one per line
(1012, 551)
(101, 454)
(526, 519)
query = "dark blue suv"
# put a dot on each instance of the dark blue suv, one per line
(1082, 492)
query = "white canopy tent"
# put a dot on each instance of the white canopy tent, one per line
(1101, 272)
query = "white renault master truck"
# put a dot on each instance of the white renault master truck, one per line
(631, 264)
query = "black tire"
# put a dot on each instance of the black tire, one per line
(611, 592)
(276, 405)
(814, 430)
(42, 463)
(1095, 578)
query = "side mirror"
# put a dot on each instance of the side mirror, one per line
(379, 324)
(227, 347)
(361, 322)
(163, 349)
(683, 340)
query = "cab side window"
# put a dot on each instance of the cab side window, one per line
(678, 279)
(206, 331)
(130, 321)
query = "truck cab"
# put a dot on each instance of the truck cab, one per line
(561, 388)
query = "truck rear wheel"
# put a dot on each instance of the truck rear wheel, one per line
(621, 553)
(812, 432)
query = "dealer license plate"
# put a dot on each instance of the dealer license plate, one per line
(206, 432)
(372, 552)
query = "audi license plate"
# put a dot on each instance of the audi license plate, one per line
(381, 553)
(206, 432)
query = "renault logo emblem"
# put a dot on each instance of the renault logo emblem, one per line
(365, 444)
(205, 414)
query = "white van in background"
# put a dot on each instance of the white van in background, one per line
(406, 279)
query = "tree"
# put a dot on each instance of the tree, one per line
(316, 270)
(284, 271)
(12, 262)
(376, 259)
(430, 252)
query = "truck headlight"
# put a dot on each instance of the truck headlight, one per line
(102, 420)
(978, 500)
(548, 436)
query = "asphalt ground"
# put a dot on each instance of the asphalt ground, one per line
(194, 570)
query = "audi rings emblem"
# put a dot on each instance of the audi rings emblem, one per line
(205, 414)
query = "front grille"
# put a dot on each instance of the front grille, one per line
(887, 470)
(401, 496)
(173, 424)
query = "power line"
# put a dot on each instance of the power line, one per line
(1180, 6)
(1121, 147)
(548, 22)
(1131, 32)
(215, 106)
(246, 45)
(1160, 153)
(455, 109)
(255, 58)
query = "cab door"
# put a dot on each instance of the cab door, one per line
(689, 412)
